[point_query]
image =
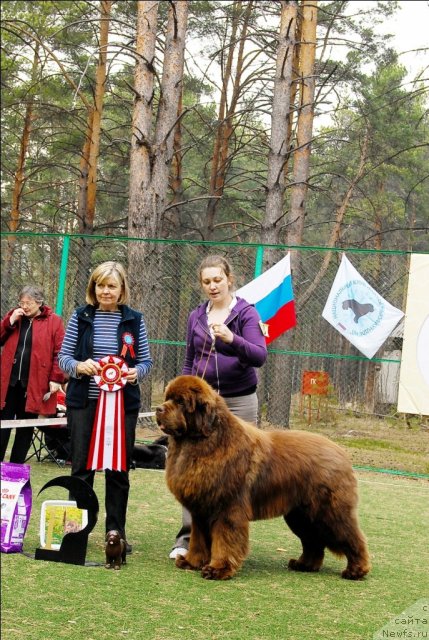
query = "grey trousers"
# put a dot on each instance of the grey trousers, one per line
(245, 407)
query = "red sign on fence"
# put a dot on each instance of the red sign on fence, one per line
(315, 383)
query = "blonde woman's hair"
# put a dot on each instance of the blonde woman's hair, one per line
(100, 274)
(216, 261)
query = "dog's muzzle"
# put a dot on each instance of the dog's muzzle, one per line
(159, 413)
(172, 429)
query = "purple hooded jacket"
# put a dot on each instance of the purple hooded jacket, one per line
(229, 368)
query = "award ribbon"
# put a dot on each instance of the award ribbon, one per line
(128, 340)
(107, 448)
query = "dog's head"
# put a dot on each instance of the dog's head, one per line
(113, 537)
(190, 408)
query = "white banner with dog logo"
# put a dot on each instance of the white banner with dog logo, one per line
(357, 311)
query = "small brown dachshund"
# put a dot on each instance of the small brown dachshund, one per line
(115, 550)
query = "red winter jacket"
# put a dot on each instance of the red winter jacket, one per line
(47, 337)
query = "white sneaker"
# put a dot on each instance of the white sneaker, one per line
(177, 551)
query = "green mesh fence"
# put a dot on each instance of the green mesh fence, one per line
(165, 287)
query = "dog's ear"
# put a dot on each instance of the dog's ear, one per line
(190, 399)
(205, 418)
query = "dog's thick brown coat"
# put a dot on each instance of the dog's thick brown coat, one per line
(227, 472)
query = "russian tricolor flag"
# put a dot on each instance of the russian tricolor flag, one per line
(272, 295)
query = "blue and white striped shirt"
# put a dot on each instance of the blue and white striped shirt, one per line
(105, 344)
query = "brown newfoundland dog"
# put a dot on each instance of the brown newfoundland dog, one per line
(227, 472)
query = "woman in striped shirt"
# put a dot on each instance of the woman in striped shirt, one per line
(105, 326)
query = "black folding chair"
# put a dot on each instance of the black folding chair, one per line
(50, 443)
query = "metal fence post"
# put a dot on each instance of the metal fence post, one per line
(258, 260)
(62, 275)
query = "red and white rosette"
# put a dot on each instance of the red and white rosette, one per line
(107, 448)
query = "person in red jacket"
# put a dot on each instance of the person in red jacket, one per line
(31, 336)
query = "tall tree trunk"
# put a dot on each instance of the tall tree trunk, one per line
(281, 113)
(19, 179)
(152, 153)
(293, 93)
(301, 158)
(142, 152)
(90, 152)
(141, 163)
(100, 87)
(278, 367)
(301, 170)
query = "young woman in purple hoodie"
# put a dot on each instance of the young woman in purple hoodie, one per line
(224, 345)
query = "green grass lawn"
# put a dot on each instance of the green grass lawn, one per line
(152, 600)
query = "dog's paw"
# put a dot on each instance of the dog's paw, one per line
(356, 573)
(182, 562)
(297, 565)
(209, 572)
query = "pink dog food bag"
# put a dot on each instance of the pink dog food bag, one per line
(16, 499)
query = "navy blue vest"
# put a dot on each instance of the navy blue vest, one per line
(77, 388)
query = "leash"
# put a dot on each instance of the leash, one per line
(211, 350)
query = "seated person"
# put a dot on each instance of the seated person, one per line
(57, 439)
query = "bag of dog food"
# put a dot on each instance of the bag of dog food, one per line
(16, 499)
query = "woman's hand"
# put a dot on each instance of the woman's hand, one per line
(16, 313)
(221, 331)
(54, 387)
(87, 368)
(131, 376)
